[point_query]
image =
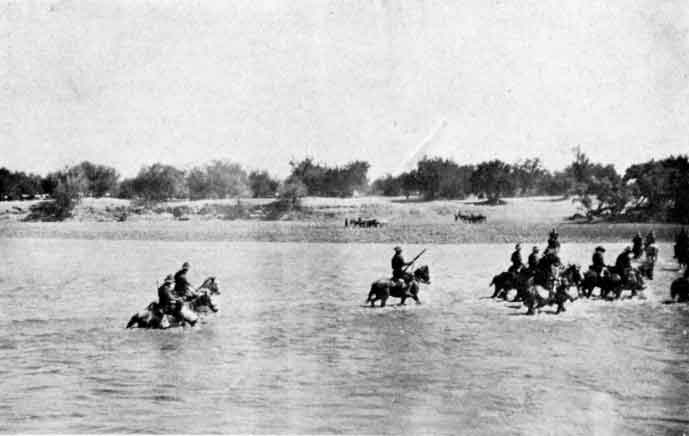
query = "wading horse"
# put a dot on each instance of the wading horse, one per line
(553, 291)
(385, 288)
(186, 312)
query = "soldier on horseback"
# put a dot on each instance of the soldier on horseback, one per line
(183, 288)
(516, 260)
(168, 302)
(638, 245)
(650, 238)
(399, 273)
(533, 259)
(553, 239)
(545, 271)
(598, 262)
(623, 265)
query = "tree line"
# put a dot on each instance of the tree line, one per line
(652, 190)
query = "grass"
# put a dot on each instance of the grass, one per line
(526, 220)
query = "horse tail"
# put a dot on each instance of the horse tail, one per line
(133, 321)
(492, 282)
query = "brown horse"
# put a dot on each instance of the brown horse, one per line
(385, 288)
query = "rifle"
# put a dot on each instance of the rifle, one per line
(414, 260)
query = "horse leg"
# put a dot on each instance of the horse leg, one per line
(383, 300)
(134, 321)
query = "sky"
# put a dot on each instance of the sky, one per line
(130, 83)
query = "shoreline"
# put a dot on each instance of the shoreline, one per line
(305, 231)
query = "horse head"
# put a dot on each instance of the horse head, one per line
(211, 285)
(422, 275)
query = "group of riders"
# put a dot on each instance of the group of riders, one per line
(547, 270)
(544, 270)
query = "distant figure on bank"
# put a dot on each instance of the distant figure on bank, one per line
(637, 245)
(516, 260)
(398, 267)
(346, 223)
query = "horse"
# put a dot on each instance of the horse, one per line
(506, 281)
(385, 288)
(682, 254)
(541, 293)
(186, 312)
(679, 290)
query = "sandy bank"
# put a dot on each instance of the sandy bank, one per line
(262, 231)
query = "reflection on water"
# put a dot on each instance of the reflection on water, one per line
(294, 350)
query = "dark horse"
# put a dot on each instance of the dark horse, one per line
(541, 293)
(611, 281)
(187, 312)
(679, 290)
(506, 281)
(385, 288)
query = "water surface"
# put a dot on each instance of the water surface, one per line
(293, 350)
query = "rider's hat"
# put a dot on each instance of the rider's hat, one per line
(169, 279)
(627, 248)
(398, 248)
(534, 249)
(518, 246)
(600, 248)
(186, 265)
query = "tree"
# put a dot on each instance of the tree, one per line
(198, 184)
(330, 181)
(100, 179)
(159, 182)
(262, 185)
(387, 185)
(18, 185)
(492, 179)
(291, 191)
(227, 179)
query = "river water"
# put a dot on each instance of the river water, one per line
(293, 350)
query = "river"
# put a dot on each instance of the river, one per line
(293, 349)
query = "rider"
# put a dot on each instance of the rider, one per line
(637, 243)
(182, 285)
(650, 238)
(398, 267)
(553, 239)
(167, 301)
(533, 259)
(598, 260)
(544, 272)
(623, 264)
(516, 260)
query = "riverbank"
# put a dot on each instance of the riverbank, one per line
(265, 231)
(526, 220)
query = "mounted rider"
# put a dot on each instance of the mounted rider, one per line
(553, 241)
(546, 269)
(533, 259)
(598, 262)
(399, 273)
(183, 288)
(651, 238)
(637, 245)
(516, 260)
(167, 300)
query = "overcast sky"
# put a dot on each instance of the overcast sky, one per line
(128, 83)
